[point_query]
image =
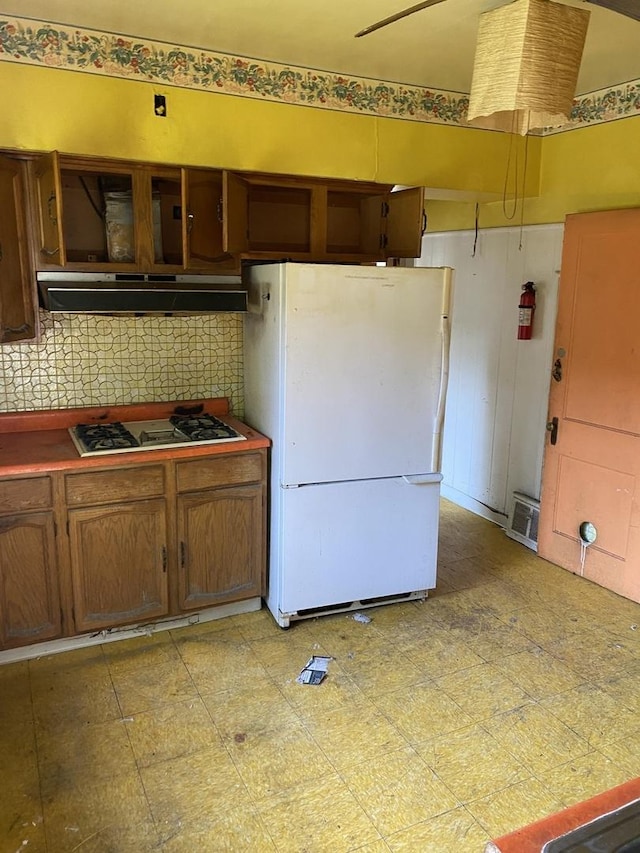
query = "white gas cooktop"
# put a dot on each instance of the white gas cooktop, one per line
(178, 430)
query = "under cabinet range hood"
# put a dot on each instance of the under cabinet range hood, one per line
(135, 293)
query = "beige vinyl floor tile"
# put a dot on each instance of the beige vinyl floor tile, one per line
(513, 689)
(171, 731)
(348, 736)
(375, 847)
(444, 651)
(538, 673)
(536, 737)
(624, 688)
(456, 831)
(140, 652)
(337, 691)
(514, 807)
(398, 790)
(593, 714)
(543, 625)
(482, 691)
(152, 686)
(220, 831)
(253, 709)
(625, 753)
(381, 671)
(472, 763)
(322, 816)
(583, 778)
(70, 752)
(422, 711)
(493, 639)
(282, 657)
(191, 792)
(15, 693)
(284, 758)
(593, 654)
(99, 816)
(218, 662)
(21, 811)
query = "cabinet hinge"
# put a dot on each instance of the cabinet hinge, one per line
(164, 558)
(383, 241)
(384, 212)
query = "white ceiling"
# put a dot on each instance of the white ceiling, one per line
(433, 48)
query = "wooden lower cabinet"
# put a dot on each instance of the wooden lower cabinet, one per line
(133, 544)
(220, 535)
(118, 564)
(29, 596)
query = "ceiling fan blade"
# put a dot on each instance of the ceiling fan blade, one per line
(417, 8)
(630, 8)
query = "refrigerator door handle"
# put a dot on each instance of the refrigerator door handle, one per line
(422, 479)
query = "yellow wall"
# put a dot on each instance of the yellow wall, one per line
(593, 168)
(76, 112)
(587, 169)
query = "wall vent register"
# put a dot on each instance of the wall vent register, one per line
(181, 430)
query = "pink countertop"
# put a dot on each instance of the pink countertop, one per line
(38, 442)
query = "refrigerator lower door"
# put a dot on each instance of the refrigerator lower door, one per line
(341, 544)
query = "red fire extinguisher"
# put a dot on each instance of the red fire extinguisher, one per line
(526, 310)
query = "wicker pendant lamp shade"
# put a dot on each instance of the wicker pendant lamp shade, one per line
(526, 65)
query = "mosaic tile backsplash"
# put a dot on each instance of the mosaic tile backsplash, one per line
(84, 360)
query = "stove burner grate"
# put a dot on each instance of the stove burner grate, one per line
(104, 436)
(203, 427)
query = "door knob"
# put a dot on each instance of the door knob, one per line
(552, 427)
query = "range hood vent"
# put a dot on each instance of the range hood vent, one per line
(133, 293)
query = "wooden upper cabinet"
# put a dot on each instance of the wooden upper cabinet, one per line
(17, 298)
(123, 216)
(271, 216)
(117, 216)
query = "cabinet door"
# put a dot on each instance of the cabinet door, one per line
(202, 224)
(17, 309)
(372, 211)
(221, 536)
(235, 214)
(51, 248)
(405, 222)
(29, 596)
(118, 564)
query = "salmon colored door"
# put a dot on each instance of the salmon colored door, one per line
(592, 471)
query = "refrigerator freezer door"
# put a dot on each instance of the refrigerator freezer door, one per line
(362, 366)
(345, 542)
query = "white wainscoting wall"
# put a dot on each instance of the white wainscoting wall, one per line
(494, 432)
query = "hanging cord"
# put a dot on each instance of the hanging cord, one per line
(506, 214)
(475, 239)
(583, 554)
(524, 189)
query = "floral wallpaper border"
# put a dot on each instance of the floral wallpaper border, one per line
(43, 43)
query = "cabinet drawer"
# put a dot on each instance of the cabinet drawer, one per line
(30, 493)
(228, 470)
(120, 484)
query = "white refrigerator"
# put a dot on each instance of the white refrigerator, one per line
(346, 370)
